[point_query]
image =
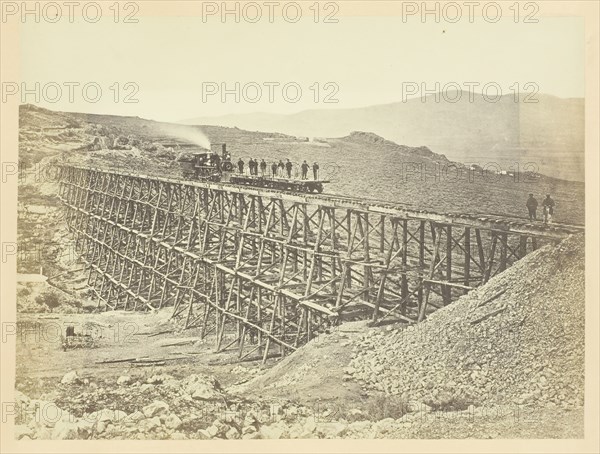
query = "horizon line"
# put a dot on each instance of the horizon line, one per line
(300, 111)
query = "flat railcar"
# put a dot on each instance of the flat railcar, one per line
(281, 184)
(216, 165)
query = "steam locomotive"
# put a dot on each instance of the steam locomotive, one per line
(216, 165)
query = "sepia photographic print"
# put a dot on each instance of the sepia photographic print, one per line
(305, 226)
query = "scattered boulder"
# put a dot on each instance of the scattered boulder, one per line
(106, 415)
(156, 408)
(134, 417)
(70, 378)
(101, 426)
(149, 424)
(232, 434)
(159, 379)
(212, 431)
(359, 426)
(251, 436)
(384, 425)
(172, 421)
(273, 431)
(65, 430)
(331, 429)
(84, 428)
(124, 380)
(310, 424)
(202, 387)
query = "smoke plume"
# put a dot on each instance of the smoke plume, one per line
(191, 134)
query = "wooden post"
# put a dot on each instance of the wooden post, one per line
(421, 262)
(503, 251)
(382, 234)
(447, 289)
(522, 246)
(432, 264)
(404, 278)
(488, 272)
(334, 247)
(384, 272)
(482, 265)
(467, 267)
(368, 277)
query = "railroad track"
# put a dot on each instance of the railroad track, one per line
(501, 221)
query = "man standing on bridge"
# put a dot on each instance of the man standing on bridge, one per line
(274, 169)
(316, 170)
(532, 207)
(281, 166)
(288, 167)
(241, 166)
(548, 205)
(304, 170)
(263, 167)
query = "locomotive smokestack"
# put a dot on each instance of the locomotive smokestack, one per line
(218, 148)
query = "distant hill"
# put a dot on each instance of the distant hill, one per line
(549, 133)
(360, 163)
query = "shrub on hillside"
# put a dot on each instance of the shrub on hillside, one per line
(50, 299)
(23, 292)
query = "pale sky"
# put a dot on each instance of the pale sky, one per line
(368, 58)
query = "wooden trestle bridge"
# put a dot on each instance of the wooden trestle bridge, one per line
(265, 271)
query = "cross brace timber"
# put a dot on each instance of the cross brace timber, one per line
(267, 271)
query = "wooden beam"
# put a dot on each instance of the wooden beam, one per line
(467, 265)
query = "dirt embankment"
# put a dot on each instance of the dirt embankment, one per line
(517, 340)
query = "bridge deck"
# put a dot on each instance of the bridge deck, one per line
(496, 222)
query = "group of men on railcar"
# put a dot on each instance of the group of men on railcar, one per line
(278, 169)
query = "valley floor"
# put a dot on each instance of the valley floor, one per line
(171, 385)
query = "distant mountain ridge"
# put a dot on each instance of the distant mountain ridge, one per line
(548, 133)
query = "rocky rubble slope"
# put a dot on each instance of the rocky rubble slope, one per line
(160, 406)
(528, 351)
